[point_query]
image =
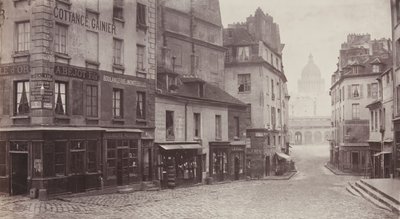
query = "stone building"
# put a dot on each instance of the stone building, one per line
(200, 129)
(254, 74)
(353, 87)
(395, 8)
(309, 121)
(73, 116)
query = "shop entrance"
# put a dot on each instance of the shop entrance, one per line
(122, 166)
(77, 179)
(354, 161)
(19, 173)
(236, 167)
(267, 166)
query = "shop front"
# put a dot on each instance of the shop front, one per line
(179, 163)
(282, 163)
(227, 160)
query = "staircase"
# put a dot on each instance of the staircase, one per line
(377, 197)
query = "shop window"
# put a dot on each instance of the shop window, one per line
(140, 105)
(48, 159)
(140, 51)
(218, 127)
(197, 125)
(77, 158)
(91, 101)
(141, 15)
(37, 159)
(60, 38)
(22, 97)
(60, 95)
(117, 103)
(60, 157)
(244, 82)
(3, 155)
(111, 158)
(23, 32)
(133, 159)
(92, 156)
(169, 121)
(118, 52)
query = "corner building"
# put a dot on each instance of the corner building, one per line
(77, 97)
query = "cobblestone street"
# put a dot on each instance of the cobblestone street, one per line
(313, 193)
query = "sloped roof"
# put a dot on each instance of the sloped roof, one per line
(237, 36)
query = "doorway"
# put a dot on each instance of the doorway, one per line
(19, 173)
(354, 161)
(146, 164)
(236, 167)
(77, 179)
(267, 166)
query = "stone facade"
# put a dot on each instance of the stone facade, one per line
(87, 116)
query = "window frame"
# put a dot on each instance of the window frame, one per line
(92, 101)
(244, 82)
(17, 103)
(218, 127)
(197, 125)
(169, 125)
(26, 35)
(117, 104)
(59, 39)
(140, 57)
(118, 51)
(141, 102)
(355, 111)
(141, 14)
(56, 93)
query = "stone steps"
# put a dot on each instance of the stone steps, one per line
(373, 195)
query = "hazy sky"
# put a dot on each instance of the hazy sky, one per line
(314, 26)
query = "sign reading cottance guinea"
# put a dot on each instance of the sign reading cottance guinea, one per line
(83, 20)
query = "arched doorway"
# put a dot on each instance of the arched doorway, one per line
(298, 138)
(308, 137)
(317, 137)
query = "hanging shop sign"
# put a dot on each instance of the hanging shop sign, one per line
(83, 20)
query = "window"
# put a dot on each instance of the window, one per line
(140, 57)
(244, 82)
(23, 36)
(22, 98)
(60, 95)
(92, 42)
(228, 54)
(111, 157)
(398, 52)
(169, 125)
(398, 100)
(374, 90)
(133, 159)
(60, 157)
(141, 15)
(375, 68)
(118, 52)
(243, 53)
(197, 125)
(356, 110)
(273, 117)
(118, 9)
(60, 39)
(372, 121)
(140, 105)
(92, 156)
(218, 134)
(3, 158)
(355, 90)
(117, 103)
(237, 126)
(376, 120)
(91, 101)
(272, 89)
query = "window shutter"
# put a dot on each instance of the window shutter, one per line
(361, 91)
(6, 97)
(369, 90)
(349, 89)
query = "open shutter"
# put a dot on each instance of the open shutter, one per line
(361, 91)
(349, 91)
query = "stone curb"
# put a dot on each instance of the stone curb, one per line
(340, 173)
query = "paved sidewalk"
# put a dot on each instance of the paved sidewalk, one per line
(390, 187)
(336, 171)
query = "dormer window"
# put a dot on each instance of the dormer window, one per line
(355, 69)
(376, 68)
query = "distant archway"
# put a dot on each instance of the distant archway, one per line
(298, 138)
(308, 137)
(317, 137)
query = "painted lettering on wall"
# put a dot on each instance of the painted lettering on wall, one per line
(14, 69)
(123, 81)
(83, 20)
(75, 72)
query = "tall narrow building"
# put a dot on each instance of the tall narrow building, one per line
(254, 74)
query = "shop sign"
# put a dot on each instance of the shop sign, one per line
(14, 69)
(259, 134)
(123, 81)
(83, 20)
(42, 77)
(255, 151)
(237, 149)
(75, 72)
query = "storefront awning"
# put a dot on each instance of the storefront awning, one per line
(179, 146)
(383, 152)
(284, 156)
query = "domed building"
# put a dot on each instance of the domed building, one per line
(309, 121)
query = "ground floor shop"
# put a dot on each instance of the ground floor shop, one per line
(355, 158)
(179, 163)
(396, 148)
(381, 158)
(71, 160)
(227, 160)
